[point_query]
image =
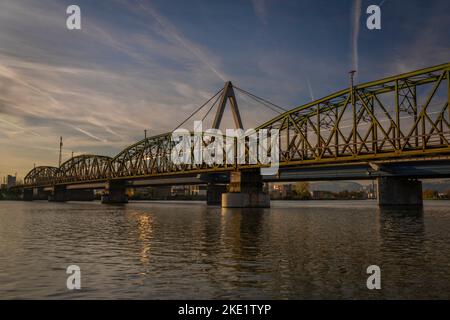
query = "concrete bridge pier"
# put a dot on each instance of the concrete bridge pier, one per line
(393, 191)
(58, 194)
(214, 194)
(80, 195)
(27, 195)
(40, 194)
(115, 192)
(245, 191)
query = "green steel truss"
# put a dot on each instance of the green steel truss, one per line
(396, 118)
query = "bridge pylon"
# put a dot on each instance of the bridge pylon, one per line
(58, 194)
(399, 191)
(246, 191)
(115, 192)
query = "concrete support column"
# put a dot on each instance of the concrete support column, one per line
(40, 194)
(27, 195)
(214, 193)
(80, 195)
(245, 191)
(58, 194)
(115, 192)
(399, 192)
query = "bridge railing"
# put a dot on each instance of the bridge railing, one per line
(402, 116)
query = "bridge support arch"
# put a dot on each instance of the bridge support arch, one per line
(245, 191)
(115, 192)
(394, 191)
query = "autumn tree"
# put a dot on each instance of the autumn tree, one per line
(301, 189)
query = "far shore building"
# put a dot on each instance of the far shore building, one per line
(10, 181)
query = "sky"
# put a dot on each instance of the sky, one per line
(146, 65)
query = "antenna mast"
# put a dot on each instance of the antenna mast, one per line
(60, 150)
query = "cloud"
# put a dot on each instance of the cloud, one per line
(169, 31)
(311, 93)
(132, 68)
(99, 88)
(260, 9)
(356, 16)
(89, 134)
(21, 128)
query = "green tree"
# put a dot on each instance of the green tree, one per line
(301, 190)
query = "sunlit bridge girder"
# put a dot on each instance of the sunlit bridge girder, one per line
(84, 168)
(43, 175)
(397, 118)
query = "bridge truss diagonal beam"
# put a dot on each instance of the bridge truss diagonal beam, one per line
(397, 118)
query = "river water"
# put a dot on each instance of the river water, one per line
(186, 250)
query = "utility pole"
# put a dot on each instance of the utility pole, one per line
(352, 75)
(60, 150)
(145, 134)
(374, 194)
(352, 97)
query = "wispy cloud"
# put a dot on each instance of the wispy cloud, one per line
(15, 125)
(356, 16)
(48, 91)
(260, 9)
(311, 93)
(144, 65)
(169, 31)
(89, 134)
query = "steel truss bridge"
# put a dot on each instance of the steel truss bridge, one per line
(394, 126)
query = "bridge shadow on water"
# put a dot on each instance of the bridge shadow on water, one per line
(401, 227)
(403, 254)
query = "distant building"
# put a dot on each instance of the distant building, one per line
(10, 181)
(197, 190)
(178, 191)
(280, 191)
(371, 191)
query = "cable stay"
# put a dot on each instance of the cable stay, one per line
(198, 109)
(264, 102)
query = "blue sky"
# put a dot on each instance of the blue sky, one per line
(139, 65)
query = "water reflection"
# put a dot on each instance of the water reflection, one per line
(402, 228)
(145, 225)
(245, 228)
(402, 232)
(187, 250)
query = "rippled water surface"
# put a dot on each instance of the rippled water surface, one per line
(171, 250)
